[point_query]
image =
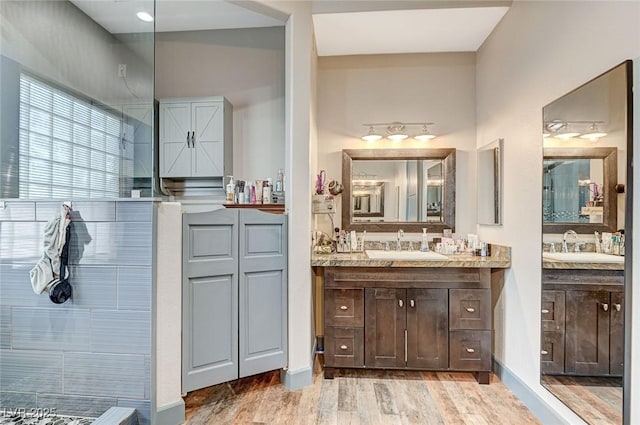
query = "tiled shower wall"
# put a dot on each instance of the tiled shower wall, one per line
(94, 351)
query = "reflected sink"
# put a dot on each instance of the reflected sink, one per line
(582, 257)
(378, 254)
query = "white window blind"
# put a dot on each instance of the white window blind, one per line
(68, 147)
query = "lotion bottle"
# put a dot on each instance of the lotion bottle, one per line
(424, 245)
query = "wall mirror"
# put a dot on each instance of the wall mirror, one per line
(579, 190)
(389, 189)
(582, 358)
(489, 168)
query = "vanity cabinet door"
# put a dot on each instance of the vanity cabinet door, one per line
(427, 329)
(587, 332)
(385, 324)
(616, 343)
(552, 315)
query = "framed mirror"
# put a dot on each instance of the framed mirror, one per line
(489, 168)
(389, 189)
(583, 359)
(579, 190)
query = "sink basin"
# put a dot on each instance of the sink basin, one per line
(582, 257)
(376, 254)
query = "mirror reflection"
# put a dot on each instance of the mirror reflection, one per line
(489, 167)
(393, 188)
(582, 358)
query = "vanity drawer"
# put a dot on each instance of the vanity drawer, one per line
(344, 307)
(552, 311)
(469, 309)
(344, 347)
(470, 350)
(552, 352)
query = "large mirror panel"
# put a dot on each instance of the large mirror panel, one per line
(386, 189)
(586, 133)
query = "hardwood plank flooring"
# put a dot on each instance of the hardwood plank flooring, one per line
(596, 400)
(359, 397)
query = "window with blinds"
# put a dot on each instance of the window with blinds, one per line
(68, 147)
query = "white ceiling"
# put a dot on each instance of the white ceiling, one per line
(360, 27)
(405, 31)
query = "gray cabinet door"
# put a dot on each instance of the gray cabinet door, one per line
(207, 123)
(263, 292)
(209, 298)
(175, 147)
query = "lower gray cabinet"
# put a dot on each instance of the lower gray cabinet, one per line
(234, 296)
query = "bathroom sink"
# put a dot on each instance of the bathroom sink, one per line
(378, 254)
(582, 257)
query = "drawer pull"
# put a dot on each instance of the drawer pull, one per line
(344, 307)
(470, 309)
(470, 350)
(413, 303)
(618, 307)
(343, 347)
(400, 303)
(545, 311)
(605, 307)
(544, 352)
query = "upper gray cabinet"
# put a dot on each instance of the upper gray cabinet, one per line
(196, 137)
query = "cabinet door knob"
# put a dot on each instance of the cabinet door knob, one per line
(605, 307)
(545, 311)
(470, 350)
(400, 303)
(544, 352)
(412, 303)
(618, 307)
(343, 307)
(343, 347)
(470, 309)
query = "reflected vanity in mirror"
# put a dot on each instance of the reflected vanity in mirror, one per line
(489, 167)
(582, 357)
(389, 189)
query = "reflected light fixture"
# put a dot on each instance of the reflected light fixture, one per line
(396, 131)
(371, 136)
(594, 133)
(144, 16)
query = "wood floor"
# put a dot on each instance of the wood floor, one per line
(596, 400)
(359, 397)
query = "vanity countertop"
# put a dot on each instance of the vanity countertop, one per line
(500, 259)
(573, 265)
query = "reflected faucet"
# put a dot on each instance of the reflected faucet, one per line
(398, 237)
(564, 241)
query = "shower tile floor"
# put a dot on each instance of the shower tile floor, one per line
(54, 420)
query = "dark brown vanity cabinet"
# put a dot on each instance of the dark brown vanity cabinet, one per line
(402, 318)
(582, 323)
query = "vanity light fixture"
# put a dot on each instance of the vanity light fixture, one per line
(594, 133)
(396, 131)
(144, 16)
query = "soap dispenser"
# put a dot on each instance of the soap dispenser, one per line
(424, 246)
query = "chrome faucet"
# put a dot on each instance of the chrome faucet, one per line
(398, 237)
(564, 241)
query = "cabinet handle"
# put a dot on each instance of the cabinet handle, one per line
(545, 311)
(343, 347)
(470, 350)
(412, 303)
(544, 352)
(605, 307)
(470, 309)
(343, 307)
(618, 307)
(188, 146)
(193, 139)
(400, 303)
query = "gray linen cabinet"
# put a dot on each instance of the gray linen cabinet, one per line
(234, 295)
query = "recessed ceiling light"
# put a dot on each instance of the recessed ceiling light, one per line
(144, 16)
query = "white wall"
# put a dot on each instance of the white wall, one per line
(538, 52)
(247, 67)
(437, 87)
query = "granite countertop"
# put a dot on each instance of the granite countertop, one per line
(500, 258)
(574, 265)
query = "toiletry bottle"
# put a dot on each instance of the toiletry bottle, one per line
(266, 192)
(280, 181)
(231, 189)
(424, 245)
